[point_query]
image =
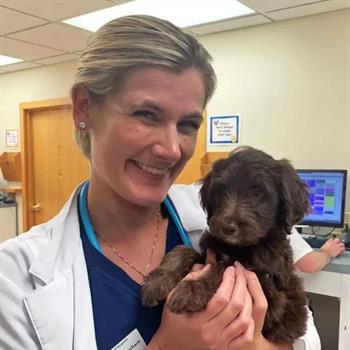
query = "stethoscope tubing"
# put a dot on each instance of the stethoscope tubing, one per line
(90, 232)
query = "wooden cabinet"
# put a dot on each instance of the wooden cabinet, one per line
(10, 165)
(208, 159)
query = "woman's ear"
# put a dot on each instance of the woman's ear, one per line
(80, 102)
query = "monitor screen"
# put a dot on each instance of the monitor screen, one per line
(327, 190)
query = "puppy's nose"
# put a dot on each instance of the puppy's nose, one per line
(232, 227)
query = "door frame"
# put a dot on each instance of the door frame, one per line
(27, 177)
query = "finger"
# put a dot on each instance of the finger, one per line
(259, 300)
(242, 322)
(197, 273)
(197, 267)
(222, 296)
(244, 340)
(235, 304)
(210, 257)
(193, 275)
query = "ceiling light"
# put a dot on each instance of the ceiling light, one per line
(4, 60)
(183, 13)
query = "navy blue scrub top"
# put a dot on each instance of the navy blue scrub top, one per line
(116, 298)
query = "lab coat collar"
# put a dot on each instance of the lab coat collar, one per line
(60, 275)
(186, 200)
(63, 242)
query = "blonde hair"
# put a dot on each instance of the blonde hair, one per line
(133, 42)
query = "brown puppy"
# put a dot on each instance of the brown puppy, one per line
(252, 202)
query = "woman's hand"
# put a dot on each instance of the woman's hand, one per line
(232, 320)
(333, 247)
(316, 260)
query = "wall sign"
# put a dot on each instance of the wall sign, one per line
(11, 136)
(223, 130)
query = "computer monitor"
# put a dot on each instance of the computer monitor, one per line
(327, 190)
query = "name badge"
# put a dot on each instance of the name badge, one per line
(133, 341)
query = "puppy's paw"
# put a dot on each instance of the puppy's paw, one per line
(189, 296)
(155, 290)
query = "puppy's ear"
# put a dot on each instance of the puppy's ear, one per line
(294, 199)
(205, 194)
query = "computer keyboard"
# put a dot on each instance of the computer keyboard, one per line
(318, 242)
(315, 242)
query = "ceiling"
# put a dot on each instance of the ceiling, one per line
(32, 29)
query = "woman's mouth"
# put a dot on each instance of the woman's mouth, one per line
(151, 170)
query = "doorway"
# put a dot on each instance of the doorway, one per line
(52, 164)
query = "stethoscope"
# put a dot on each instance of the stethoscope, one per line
(90, 232)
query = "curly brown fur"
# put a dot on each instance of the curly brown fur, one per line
(252, 201)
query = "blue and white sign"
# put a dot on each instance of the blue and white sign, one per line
(223, 130)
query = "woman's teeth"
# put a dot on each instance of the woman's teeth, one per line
(151, 170)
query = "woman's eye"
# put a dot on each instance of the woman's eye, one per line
(188, 127)
(146, 115)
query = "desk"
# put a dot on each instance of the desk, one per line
(334, 281)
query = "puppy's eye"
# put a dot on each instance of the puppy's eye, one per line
(258, 194)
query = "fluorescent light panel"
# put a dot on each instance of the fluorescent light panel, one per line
(183, 13)
(5, 60)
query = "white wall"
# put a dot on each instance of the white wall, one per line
(289, 80)
(291, 83)
(31, 85)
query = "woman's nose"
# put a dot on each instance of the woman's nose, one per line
(167, 145)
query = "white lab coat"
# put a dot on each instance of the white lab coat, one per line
(45, 298)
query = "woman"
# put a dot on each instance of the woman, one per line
(74, 282)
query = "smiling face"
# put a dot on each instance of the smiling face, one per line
(143, 134)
